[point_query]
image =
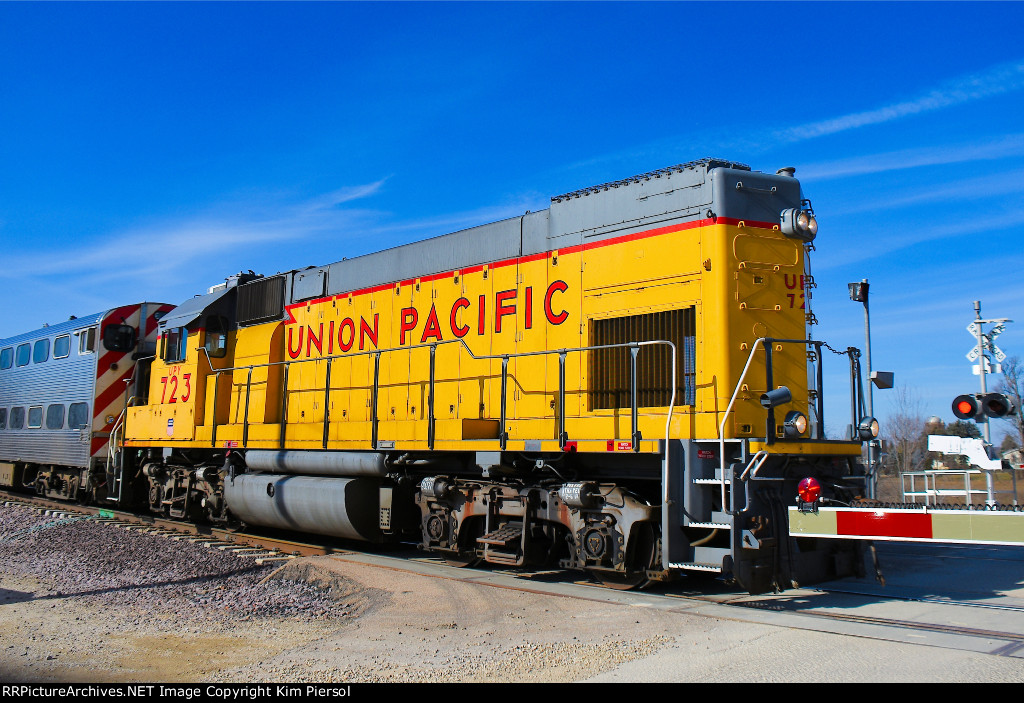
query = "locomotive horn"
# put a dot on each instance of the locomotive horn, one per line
(779, 396)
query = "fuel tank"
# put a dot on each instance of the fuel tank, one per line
(340, 507)
(318, 463)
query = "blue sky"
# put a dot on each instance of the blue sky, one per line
(151, 149)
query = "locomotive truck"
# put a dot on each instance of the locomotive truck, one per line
(623, 383)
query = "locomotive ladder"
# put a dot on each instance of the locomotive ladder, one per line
(731, 475)
(115, 456)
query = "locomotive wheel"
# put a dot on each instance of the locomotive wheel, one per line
(621, 580)
(471, 529)
(641, 554)
(461, 561)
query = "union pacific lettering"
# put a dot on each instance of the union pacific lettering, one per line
(325, 343)
(336, 337)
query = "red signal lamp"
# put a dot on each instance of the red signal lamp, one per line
(966, 407)
(809, 490)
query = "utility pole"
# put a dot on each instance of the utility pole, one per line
(859, 294)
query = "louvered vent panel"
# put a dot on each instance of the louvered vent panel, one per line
(610, 368)
(261, 300)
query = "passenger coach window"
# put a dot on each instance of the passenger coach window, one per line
(175, 345)
(62, 346)
(35, 417)
(3, 418)
(41, 351)
(78, 416)
(17, 418)
(24, 353)
(216, 336)
(55, 417)
(86, 341)
(7, 358)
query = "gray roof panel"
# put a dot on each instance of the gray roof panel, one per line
(186, 313)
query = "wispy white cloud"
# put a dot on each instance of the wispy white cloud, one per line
(979, 190)
(1008, 146)
(721, 141)
(167, 246)
(854, 250)
(451, 222)
(997, 80)
(343, 195)
(259, 232)
(175, 259)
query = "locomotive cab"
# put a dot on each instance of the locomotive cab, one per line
(195, 340)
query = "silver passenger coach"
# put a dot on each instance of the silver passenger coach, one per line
(62, 389)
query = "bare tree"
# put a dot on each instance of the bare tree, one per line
(1012, 385)
(905, 431)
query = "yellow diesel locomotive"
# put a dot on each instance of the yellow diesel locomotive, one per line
(622, 383)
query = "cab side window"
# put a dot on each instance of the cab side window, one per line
(216, 336)
(175, 345)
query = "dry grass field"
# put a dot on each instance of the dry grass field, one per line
(890, 489)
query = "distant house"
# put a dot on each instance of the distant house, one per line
(1015, 457)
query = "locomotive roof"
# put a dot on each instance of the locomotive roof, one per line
(706, 164)
(696, 190)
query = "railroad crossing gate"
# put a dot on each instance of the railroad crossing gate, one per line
(924, 524)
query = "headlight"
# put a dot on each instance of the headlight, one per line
(867, 428)
(795, 423)
(798, 224)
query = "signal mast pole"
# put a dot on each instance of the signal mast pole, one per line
(990, 486)
(986, 345)
(982, 359)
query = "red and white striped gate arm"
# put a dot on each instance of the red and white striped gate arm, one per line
(910, 525)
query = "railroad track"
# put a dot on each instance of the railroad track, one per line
(268, 549)
(262, 549)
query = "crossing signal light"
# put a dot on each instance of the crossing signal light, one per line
(974, 406)
(967, 407)
(996, 405)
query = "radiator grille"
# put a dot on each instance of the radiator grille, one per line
(610, 368)
(261, 300)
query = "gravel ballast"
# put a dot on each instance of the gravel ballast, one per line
(88, 602)
(104, 566)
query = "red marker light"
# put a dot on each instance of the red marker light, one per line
(809, 490)
(964, 407)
